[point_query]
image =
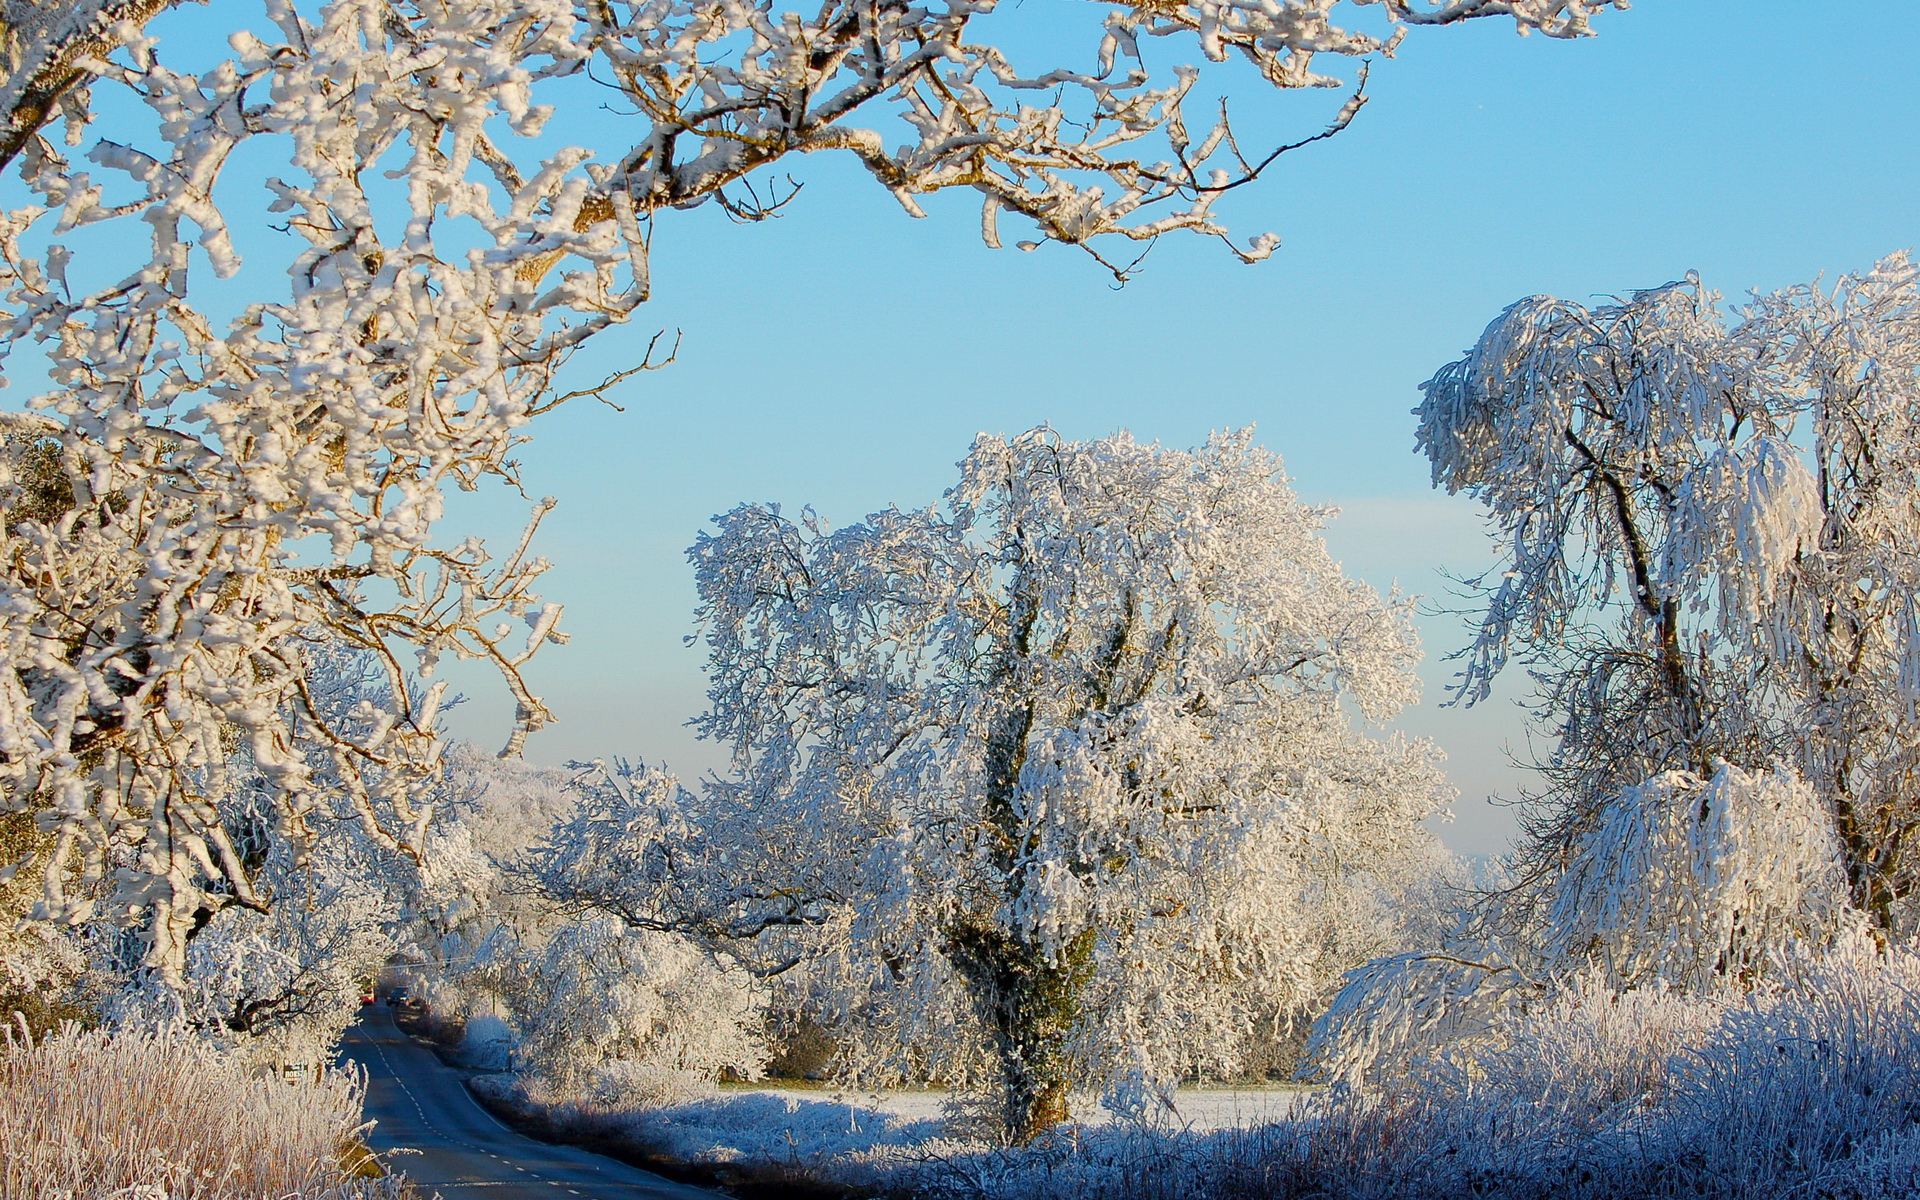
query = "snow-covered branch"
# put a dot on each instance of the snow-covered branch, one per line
(197, 500)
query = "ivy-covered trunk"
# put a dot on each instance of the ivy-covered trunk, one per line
(1029, 1003)
(1027, 993)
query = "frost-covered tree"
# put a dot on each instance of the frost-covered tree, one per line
(230, 485)
(467, 927)
(1688, 881)
(633, 1015)
(1711, 525)
(1712, 539)
(283, 985)
(280, 980)
(1071, 754)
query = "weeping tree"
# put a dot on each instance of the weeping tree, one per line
(1710, 521)
(1712, 536)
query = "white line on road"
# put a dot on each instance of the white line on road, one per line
(381, 1051)
(515, 1135)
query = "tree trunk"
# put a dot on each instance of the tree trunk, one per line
(41, 41)
(1029, 1006)
(1027, 1000)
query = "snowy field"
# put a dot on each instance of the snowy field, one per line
(1201, 1110)
(858, 1132)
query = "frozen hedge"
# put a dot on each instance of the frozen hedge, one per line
(133, 1115)
(1810, 1090)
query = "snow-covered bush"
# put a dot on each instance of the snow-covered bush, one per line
(607, 1014)
(593, 1012)
(94, 1116)
(1808, 1089)
(1656, 1092)
(1818, 1082)
(487, 1042)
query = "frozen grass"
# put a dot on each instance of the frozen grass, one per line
(89, 1115)
(1810, 1091)
(878, 1141)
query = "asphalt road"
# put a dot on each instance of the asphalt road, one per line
(430, 1128)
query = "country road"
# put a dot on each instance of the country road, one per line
(420, 1105)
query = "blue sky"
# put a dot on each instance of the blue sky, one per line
(844, 355)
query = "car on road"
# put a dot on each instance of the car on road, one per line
(400, 997)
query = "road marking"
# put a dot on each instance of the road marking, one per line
(422, 1113)
(399, 1039)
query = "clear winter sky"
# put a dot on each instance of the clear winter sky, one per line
(845, 355)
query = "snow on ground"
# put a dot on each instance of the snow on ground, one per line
(1199, 1109)
(861, 1132)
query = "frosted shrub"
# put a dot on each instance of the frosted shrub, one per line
(1655, 1092)
(1796, 1084)
(1810, 1088)
(643, 1084)
(604, 1006)
(89, 1115)
(1588, 1056)
(1545, 1095)
(486, 1042)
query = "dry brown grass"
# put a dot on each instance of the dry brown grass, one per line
(89, 1115)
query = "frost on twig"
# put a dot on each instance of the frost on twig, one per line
(195, 518)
